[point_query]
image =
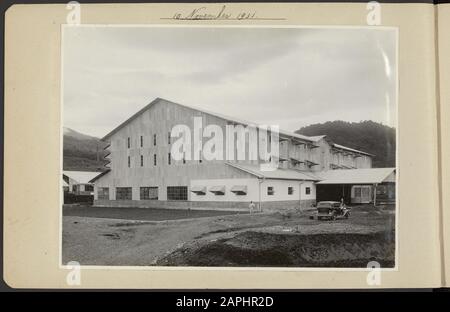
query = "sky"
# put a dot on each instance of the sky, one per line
(290, 77)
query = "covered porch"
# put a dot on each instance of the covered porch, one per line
(358, 186)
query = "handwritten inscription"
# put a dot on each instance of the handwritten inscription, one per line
(204, 13)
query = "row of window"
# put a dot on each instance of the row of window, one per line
(173, 192)
(271, 190)
(145, 193)
(169, 160)
(141, 140)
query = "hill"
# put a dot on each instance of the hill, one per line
(368, 136)
(82, 152)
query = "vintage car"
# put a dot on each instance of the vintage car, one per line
(332, 210)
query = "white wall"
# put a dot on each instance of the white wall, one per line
(280, 190)
(252, 190)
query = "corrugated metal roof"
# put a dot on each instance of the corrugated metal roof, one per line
(81, 176)
(278, 174)
(354, 176)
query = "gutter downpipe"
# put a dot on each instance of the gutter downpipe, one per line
(260, 181)
(300, 193)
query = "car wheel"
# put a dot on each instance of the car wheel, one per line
(333, 218)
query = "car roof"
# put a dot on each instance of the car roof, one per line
(329, 202)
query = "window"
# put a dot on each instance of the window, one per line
(177, 193)
(270, 190)
(123, 193)
(154, 140)
(307, 190)
(169, 158)
(142, 141)
(128, 143)
(154, 159)
(184, 160)
(103, 193)
(149, 193)
(290, 190)
(168, 137)
(142, 161)
(129, 162)
(88, 188)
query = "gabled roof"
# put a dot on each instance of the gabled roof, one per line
(99, 175)
(354, 176)
(277, 174)
(227, 118)
(284, 133)
(81, 177)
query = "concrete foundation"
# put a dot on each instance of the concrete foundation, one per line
(205, 205)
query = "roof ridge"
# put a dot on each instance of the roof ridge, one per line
(222, 116)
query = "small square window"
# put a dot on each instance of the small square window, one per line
(270, 190)
(154, 159)
(307, 190)
(142, 141)
(142, 161)
(154, 140)
(290, 190)
(128, 143)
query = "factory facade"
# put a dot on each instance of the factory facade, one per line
(155, 160)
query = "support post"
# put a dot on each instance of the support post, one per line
(375, 195)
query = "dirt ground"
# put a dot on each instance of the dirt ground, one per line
(140, 214)
(265, 239)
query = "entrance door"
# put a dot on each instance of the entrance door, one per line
(361, 194)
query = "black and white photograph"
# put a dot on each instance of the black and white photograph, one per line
(229, 146)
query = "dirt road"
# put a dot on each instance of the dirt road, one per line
(275, 239)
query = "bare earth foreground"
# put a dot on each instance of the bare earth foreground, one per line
(99, 236)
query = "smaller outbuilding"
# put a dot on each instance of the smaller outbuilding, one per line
(77, 182)
(357, 186)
